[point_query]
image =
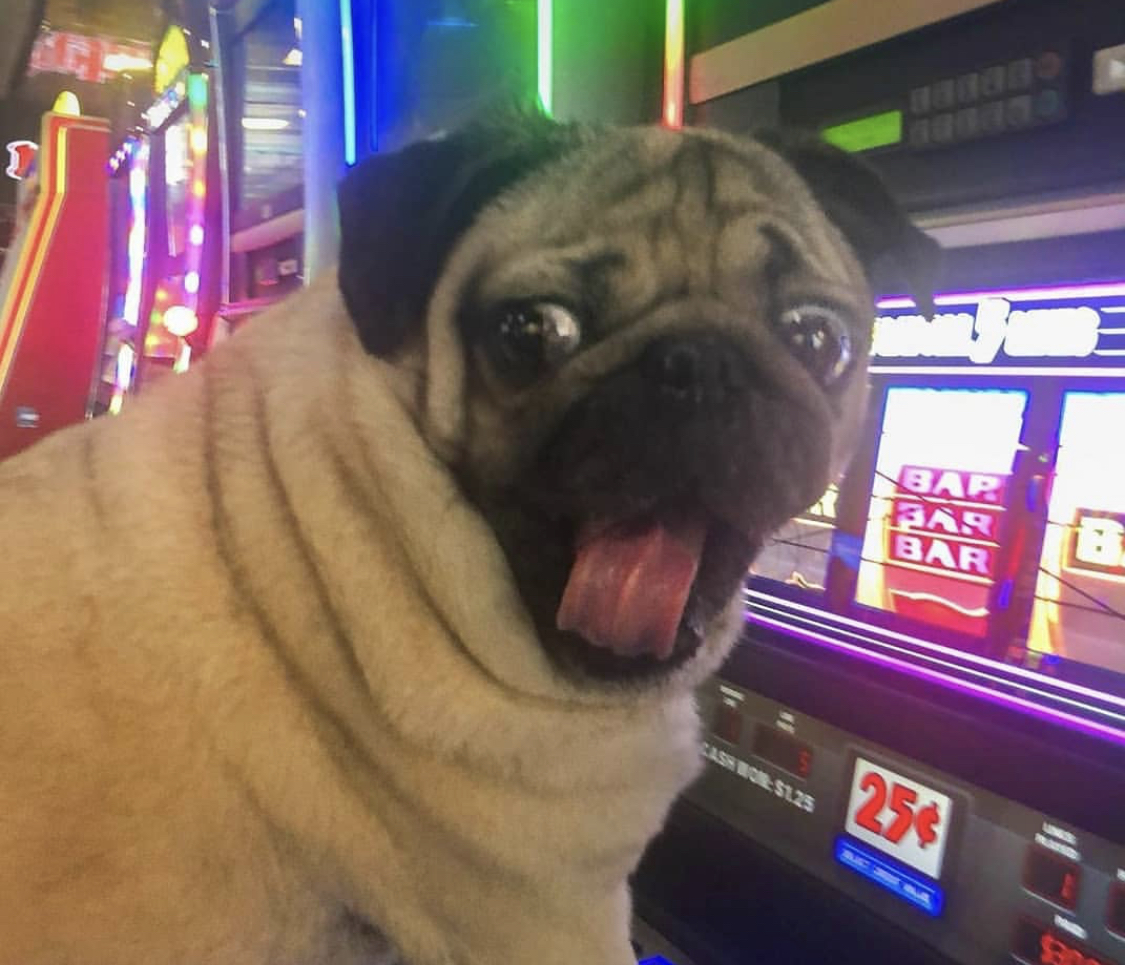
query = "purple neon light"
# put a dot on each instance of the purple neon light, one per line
(1050, 293)
(1029, 690)
(1102, 731)
(960, 655)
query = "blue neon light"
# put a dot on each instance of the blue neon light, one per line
(925, 895)
(451, 23)
(348, 48)
(655, 960)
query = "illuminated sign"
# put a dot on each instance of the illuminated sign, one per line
(946, 521)
(1098, 542)
(92, 59)
(172, 59)
(952, 484)
(992, 328)
(21, 155)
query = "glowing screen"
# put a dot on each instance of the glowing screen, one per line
(931, 546)
(1080, 593)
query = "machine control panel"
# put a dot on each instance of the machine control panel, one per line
(1008, 96)
(982, 879)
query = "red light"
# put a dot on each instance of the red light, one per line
(1051, 876)
(1036, 944)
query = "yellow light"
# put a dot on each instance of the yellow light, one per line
(67, 103)
(172, 58)
(199, 188)
(198, 140)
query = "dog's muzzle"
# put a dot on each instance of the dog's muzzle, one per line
(682, 450)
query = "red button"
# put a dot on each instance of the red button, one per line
(1048, 66)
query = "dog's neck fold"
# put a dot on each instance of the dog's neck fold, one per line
(493, 774)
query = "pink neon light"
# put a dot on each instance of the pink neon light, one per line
(1103, 731)
(854, 628)
(1055, 293)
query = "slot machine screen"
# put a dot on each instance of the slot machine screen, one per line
(984, 512)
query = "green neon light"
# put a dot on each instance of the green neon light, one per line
(866, 133)
(674, 63)
(544, 14)
(197, 90)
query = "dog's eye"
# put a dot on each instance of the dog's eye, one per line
(536, 336)
(819, 338)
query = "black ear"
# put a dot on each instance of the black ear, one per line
(402, 213)
(894, 253)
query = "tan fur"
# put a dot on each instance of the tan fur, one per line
(264, 673)
(174, 790)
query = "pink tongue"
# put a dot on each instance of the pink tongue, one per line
(629, 585)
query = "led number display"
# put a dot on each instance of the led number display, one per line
(1036, 944)
(898, 816)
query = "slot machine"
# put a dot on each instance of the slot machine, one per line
(917, 751)
(165, 237)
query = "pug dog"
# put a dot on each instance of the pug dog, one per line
(374, 638)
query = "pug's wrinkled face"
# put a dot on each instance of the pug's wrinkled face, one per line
(662, 341)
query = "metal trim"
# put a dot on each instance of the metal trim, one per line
(816, 35)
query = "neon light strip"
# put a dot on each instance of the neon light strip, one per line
(994, 372)
(959, 655)
(1055, 293)
(674, 64)
(1033, 691)
(1103, 731)
(138, 203)
(39, 235)
(545, 49)
(197, 198)
(347, 44)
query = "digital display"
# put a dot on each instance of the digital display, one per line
(1051, 876)
(727, 725)
(939, 496)
(866, 133)
(1115, 913)
(782, 750)
(1036, 944)
(899, 816)
(1080, 590)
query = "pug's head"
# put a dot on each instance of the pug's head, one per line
(640, 352)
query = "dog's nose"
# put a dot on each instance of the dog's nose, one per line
(695, 372)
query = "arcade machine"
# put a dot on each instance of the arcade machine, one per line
(51, 287)
(917, 752)
(308, 89)
(164, 282)
(260, 59)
